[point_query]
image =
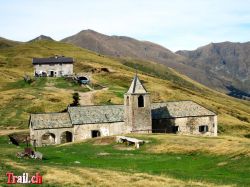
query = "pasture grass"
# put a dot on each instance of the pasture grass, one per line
(195, 165)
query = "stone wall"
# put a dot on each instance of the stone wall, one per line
(37, 134)
(137, 118)
(84, 131)
(190, 125)
(59, 69)
(79, 132)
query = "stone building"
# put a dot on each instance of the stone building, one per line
(53, 67)
(137, 115)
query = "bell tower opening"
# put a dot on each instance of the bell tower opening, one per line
(140, 101)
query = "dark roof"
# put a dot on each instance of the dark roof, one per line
(96, 114)
(50, 120)
(53, 60)
(178, 109)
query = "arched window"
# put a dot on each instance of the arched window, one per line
(127, 101)
(48, 139)
(140, 101)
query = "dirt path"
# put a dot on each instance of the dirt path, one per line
(87, 98)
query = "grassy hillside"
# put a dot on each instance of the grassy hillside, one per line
(96, 161)
(47, 95)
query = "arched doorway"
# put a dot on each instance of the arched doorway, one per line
(66, 137)
(48, 139)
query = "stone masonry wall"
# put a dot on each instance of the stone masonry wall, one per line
(37, 134)
(66, 69)
(190, 125)
(82, 132)
(137, 118)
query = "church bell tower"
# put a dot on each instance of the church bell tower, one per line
(137, 115)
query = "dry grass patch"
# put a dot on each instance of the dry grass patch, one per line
(69, 176)
(100, 177)
(223, 145)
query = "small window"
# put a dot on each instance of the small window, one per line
(127, 101)
(203, 128)
(176, 129)
(140, 101)
(95, 133)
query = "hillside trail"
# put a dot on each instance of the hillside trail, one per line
(87, 98)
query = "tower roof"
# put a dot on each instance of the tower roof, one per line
(136, 86)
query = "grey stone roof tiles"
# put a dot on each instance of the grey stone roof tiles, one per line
(96, 114)
(50, 120)
(136, 87)
(178, 109)
(114, 113)
(52, 60)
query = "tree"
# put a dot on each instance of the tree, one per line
(76, 99)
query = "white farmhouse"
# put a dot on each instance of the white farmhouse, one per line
(56, 66)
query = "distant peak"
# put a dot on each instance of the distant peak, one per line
(41, 37)
(88, 31)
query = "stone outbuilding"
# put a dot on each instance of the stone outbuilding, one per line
(56, 66)
(136, 115)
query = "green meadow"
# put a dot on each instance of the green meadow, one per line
(103, 153)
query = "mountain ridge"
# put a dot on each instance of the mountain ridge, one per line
(215, 65)
(122, 46)
(229, 59)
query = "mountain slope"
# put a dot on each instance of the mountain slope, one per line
(122, 46)
(227, 61)
(7, 43)
(18, 98)
(224, 66)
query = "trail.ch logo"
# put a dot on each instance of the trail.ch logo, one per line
(24, 178)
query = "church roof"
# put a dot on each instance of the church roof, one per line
(136, 86)
(114, 113)
(96, 114)
(178, 109)
(50, 120)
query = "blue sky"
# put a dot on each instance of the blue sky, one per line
(175, 24)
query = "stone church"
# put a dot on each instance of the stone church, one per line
(136, 115)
